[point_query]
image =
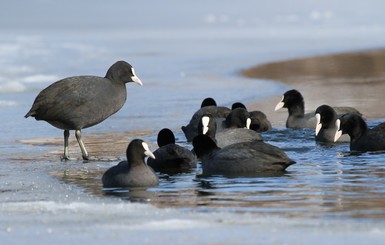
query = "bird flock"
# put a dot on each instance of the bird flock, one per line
(225, 140)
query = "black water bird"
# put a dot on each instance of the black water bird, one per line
(239, 158)
(133, 172)
(170, 157)
(297, 118)
(79, 102)
(218, 112)
(362, 139)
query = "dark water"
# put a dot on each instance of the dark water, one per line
(327, 182)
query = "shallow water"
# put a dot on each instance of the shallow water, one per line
(328, 182)
(182, 55)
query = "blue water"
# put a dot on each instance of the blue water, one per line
(183, 52)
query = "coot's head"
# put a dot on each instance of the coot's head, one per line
(204, 145)
(165, 137)
(137, 150)
(325, 116)
(351, 124)
(290, 98)
(121, 71)
(208, 102)
(238, 118)
(237, 105)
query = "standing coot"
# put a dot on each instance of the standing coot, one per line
(79, 102)
(134, 172)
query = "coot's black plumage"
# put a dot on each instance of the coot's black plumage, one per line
(362, 138)
(208, 102)
(237, 118)
(170, 157)
(133, 172)
(218, 112)
(79, 102)
(293, 101)
(244, 157)
(259, 121)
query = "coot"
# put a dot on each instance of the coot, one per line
(294, 102)
(79, 102)
(239, 158)
(259, 121)
(134, 172)
(362, 138)
(170, 157)
(218, 112)
(208, 126)
(326, 125)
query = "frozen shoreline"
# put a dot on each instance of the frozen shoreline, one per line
(113, 222)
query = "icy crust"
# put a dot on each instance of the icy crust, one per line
(100, 223)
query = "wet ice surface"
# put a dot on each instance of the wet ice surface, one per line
(182, 55)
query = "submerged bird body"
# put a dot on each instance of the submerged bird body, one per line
(170, 157)
(80, 102)
(244, 157)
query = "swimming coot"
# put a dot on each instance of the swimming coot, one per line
(79, 102)
(218, 112)
(259, 121)
(170, 157)
(244, 157)
(208, 126)
(326, 125)
(294, 102)
(362, 138)
(134, 172)
(237, 118)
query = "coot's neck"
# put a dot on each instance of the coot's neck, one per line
(114, 78)
(208, 154)
(134, 160)
(358, 131)
(297, 110)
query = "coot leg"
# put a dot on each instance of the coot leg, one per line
(81, 144)
(66, 136)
